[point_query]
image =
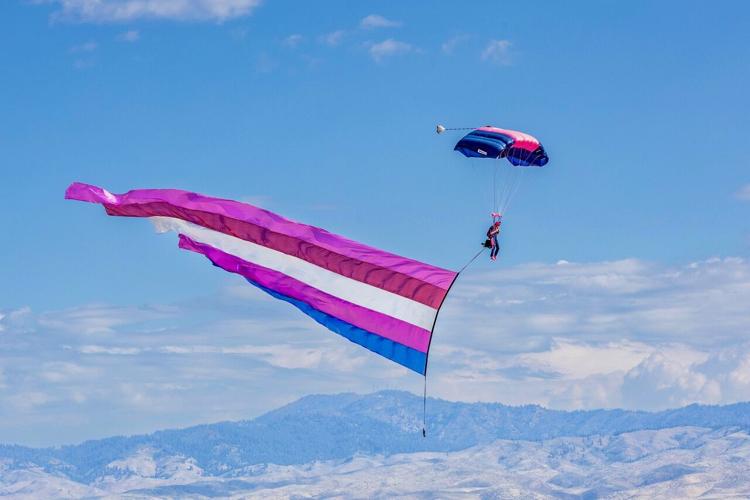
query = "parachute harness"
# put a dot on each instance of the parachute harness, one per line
(424, 393)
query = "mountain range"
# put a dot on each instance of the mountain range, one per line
(359, 445)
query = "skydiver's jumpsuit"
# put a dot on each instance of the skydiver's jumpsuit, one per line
(492, 234)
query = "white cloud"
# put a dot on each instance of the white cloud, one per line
(377, 21)
(116, 351)
(29, 400)
(15, 319)
(744, 193)
(333, 38)
(101, 319)
(63, 371)
(129, 36)
(390, 47)
(578, 360)
(282, 355)
(660, 382)
(498, 52)
(449, 46)
(130, 10)
(292, 40)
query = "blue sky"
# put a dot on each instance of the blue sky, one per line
(325, 112)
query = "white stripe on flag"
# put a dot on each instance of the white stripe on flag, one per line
(348, 289)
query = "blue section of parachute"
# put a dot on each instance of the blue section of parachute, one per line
(399, 353)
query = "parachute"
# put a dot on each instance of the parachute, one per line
(521, 150)
(518, 148)
(381, 301)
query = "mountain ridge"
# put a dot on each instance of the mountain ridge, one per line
(338, 426)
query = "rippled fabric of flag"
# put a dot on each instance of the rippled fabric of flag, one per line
(374, 298)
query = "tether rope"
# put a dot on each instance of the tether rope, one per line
(424, 393)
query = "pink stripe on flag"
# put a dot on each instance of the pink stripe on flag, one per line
(441, 278)
(367, 319)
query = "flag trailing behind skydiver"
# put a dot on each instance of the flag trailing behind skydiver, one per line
(376, 299)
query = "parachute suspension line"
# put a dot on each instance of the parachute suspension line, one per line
(512, 181)
(495, 208)
(505, 186)
(424, 393)
(519, 178)
(514, 186)
(508, 180)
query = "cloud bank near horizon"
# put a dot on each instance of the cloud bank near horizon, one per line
(626, 333)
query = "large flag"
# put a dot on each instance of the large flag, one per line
(376, 299)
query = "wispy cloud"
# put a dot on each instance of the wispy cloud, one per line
(264, 63)
(129, 36)
(449, 46)
(377, 21)
(114, 351)
(333, 38)
(743, 193)
(101, 319)
(129, 10)
(89, 46)
(15, 319)
(611, 299)
(498, 52)
(292, 41)
(84, 54)
(293, 356)
(388, 48)
(63, 371)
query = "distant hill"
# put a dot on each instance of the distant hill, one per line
(338, 427)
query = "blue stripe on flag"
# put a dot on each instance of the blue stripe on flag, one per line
(401, 354)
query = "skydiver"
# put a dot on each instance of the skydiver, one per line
(492, 233)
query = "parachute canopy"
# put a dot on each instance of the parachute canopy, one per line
(376, 299)
(520, 149)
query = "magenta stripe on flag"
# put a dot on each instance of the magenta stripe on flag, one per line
(393, 278)
(367, 319)
(437, 276)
